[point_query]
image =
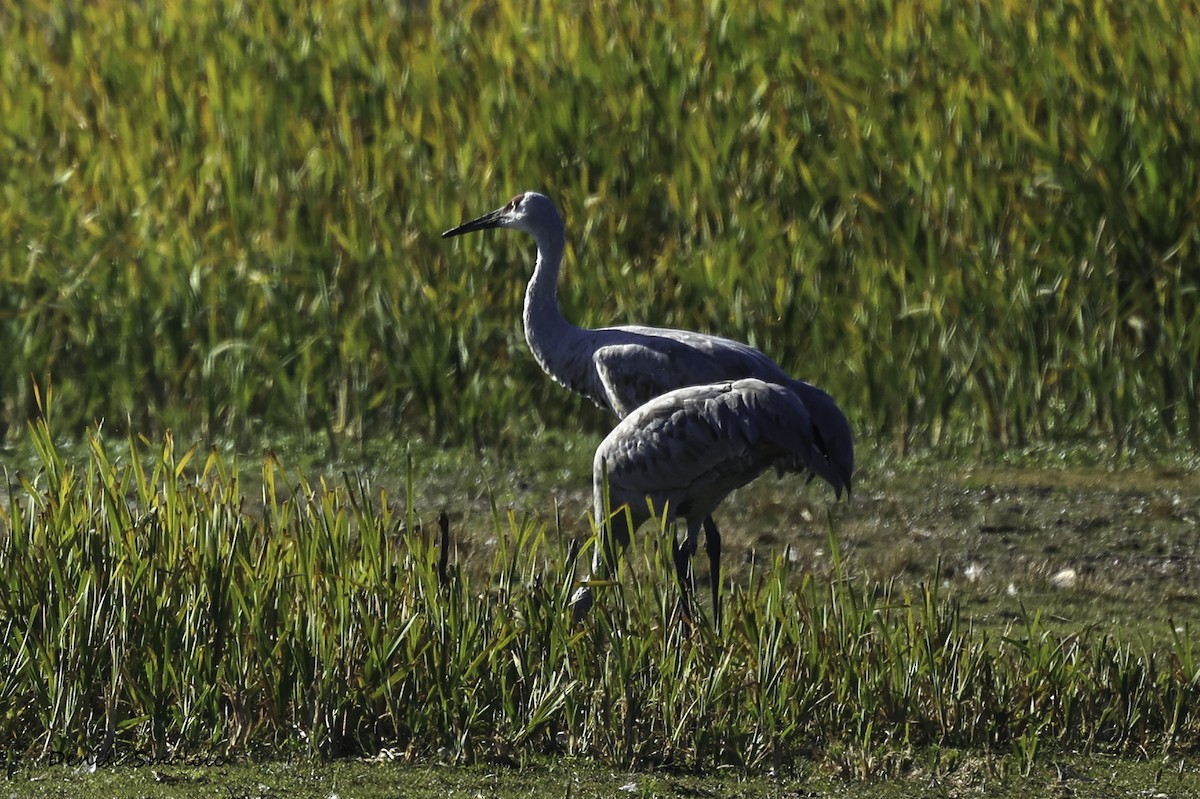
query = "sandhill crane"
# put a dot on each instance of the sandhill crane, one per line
(682, 453)
(621, 368)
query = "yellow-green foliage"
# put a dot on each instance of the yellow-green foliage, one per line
(969, 222)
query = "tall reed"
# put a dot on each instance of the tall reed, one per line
(973, 226)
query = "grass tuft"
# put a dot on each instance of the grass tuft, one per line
(152, 608)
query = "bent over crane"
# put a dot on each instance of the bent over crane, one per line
(680, 455)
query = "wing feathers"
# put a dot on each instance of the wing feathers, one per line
(692, 446)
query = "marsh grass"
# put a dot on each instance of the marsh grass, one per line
(972, 225)
(151, 608)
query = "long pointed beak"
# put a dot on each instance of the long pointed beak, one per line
(489, 220)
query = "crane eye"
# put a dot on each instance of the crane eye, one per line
(515, 202)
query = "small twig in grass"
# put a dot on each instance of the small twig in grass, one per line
(444, 555)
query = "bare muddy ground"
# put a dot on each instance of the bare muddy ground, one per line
(1116, 548)
(1082, 547)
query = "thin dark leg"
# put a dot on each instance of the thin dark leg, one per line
(712, 544)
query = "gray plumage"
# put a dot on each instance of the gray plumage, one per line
(690, 447)
(623, 368)
(681, 454)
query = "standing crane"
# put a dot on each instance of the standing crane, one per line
(680, 455)
(621, 368)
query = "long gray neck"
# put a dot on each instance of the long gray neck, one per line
(561, 348)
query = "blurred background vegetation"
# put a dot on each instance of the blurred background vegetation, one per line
(974, 224)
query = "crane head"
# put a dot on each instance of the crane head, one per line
(529, 211)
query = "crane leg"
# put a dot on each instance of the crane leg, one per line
(712, 545)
